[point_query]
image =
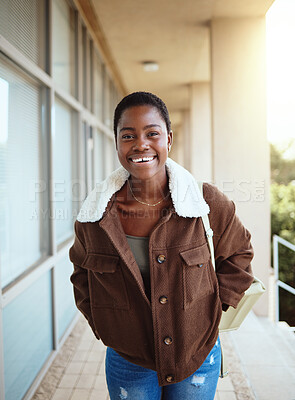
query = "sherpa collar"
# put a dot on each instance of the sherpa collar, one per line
(186, 196)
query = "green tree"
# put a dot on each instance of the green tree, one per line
(283, 224)
(282, 168)
(283, 210)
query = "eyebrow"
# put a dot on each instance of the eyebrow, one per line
(127, 128)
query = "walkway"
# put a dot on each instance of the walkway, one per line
(77, 372)
(267, 355)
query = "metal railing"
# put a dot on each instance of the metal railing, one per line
(278, 282)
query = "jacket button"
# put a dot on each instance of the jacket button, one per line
(169, 378)
(168, 340)
(163, 299)
(161, 258)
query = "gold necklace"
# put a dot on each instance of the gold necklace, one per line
(142, 202)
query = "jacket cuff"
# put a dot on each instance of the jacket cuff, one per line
(228, 297)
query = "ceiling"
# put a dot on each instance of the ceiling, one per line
(174, 33)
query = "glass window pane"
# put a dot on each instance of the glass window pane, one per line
(90, 158)
(64, 45)
(27, 337)
(98, 85)
(22, 185)
(22, 23)
(85, 64)
(98, 156)
(87, 69)
(113, 98)
(109, 149)
(89, 167)
(91, 94)
(63, 170)
(107, 101)
(87, 55)
(66, 309)
(117, 163)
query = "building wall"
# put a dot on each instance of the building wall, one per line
(226, 140)
(201, 131)
(57, 95)
(241, 165)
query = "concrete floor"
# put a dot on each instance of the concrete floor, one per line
(77, 372)
(267, 356)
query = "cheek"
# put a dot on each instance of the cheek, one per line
(120, 147)
(120, 155)
(121, 152)
(165, 145)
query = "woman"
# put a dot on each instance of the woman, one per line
(142, 271)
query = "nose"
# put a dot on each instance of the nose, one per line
(141, 144)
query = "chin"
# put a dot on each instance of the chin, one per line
(142, 175)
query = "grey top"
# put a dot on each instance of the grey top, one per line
(140, 249)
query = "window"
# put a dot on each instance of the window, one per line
(23, 180)
(98, 86)
(87, 51)
(99, 162)
(55, 143)
(114, 98)
(64, 171)
(27, 336)
(64, 46)
(89, 163)
(22, 23)
(107, 100)
(109, 151)
(66, 309)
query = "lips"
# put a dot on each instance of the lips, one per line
(142, 159)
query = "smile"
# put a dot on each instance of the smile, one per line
(145, 159)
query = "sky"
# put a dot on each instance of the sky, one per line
(280, 37)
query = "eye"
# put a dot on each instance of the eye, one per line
(127, 136)
(153, 133)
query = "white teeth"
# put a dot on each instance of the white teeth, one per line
(144, 159)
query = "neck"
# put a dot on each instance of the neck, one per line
(150, 190)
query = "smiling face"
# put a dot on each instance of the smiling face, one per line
(142, 142)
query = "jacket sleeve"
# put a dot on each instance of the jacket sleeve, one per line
(233, 250)
(79, 279)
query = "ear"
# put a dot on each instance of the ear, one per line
(170, 139)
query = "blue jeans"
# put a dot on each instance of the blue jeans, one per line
(132, 382)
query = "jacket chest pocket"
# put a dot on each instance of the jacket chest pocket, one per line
(197, 281)
(106, 281)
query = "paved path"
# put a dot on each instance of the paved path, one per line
(267, 356)
(77, 372)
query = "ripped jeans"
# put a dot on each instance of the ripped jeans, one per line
(132, 382)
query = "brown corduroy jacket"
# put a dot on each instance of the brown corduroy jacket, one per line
(186, 293)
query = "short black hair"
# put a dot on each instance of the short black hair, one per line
(141, 99)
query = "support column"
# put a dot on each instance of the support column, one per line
(200, 127)
(180, 150)
(185, 134)
(241, 166)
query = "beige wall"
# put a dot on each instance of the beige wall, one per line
(241, 164)
(187, 138)
(181, 147)
(201, 132)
